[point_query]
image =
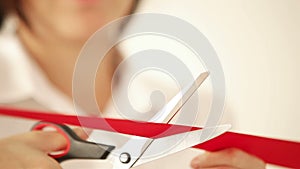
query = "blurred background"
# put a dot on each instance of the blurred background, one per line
(258, 45)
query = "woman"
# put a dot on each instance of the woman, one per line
(47, 38)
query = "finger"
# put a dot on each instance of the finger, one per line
(17, 149)
(230, 157)
(46, 163)
(47, 141)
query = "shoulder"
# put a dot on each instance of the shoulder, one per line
(11, 50)
(13, 65)
(10, 46)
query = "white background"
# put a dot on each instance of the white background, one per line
(257, 42)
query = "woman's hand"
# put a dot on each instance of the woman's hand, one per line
(230, 158)
(30, 150)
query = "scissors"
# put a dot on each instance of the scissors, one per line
(138, 150)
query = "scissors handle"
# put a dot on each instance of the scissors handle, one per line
(76, 148)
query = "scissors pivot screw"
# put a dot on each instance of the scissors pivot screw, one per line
(125, 158)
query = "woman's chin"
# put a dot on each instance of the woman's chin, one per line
(85, 2)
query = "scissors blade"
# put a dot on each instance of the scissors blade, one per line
(135, 147)
(166, 114)
(165, 146)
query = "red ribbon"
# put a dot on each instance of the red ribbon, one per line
(275, 151)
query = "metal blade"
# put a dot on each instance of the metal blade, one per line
(137, 146)
(165, 146)
(166, 114)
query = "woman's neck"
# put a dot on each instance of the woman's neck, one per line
(57, 58)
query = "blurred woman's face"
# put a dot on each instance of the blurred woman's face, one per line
(73, 19)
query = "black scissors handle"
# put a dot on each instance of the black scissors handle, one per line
(76, 148)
